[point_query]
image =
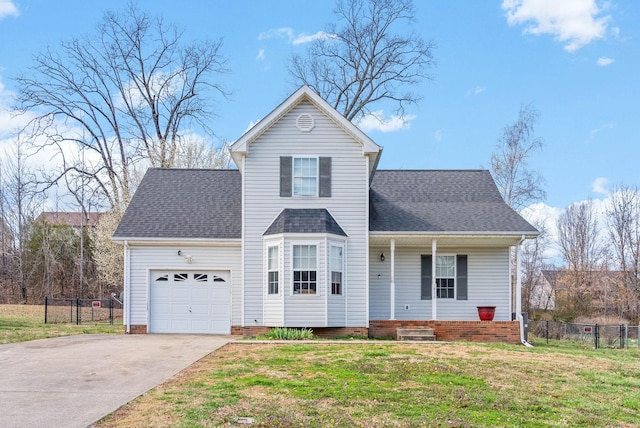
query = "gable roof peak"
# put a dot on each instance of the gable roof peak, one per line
(239, 148)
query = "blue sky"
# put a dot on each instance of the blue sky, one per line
(576, 61)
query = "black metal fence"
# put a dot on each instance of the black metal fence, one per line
(599, 335)
(79, 311)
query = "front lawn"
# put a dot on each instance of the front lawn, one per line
(393, 384)
(20, 323)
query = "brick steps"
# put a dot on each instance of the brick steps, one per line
(416, 333)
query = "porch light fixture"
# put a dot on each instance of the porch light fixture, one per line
(179, 252)
(381, 257)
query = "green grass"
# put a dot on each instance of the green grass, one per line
(396, 384)
(21, 323)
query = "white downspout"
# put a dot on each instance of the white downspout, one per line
(434, 304)
(519, 293)
(392, 301)
(127, 288)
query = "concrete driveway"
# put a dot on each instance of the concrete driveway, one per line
(74, 381)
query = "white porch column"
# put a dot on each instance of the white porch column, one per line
(434, 300)
(392, 287)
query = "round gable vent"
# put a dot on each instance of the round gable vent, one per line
(305, 122)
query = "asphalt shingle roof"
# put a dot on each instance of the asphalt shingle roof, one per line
(440, 201)
(317, 220)
(207, 204)
(185, 203)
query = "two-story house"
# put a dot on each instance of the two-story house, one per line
(307, 232)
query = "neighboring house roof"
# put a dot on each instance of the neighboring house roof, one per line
(441, 201)
(185, 203)
(207, 204)
(73, 219)
(305, 221)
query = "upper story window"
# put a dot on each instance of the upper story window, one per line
(305, 176)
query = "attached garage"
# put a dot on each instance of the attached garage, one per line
(196, 302)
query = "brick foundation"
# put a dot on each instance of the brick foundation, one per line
(472, 331)
(331, 332)
(137, 329)
(249, 331)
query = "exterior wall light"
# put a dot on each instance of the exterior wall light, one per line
(381, 257)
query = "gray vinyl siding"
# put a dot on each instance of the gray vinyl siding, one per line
(348, 205)
(488, 284)
(147, 258)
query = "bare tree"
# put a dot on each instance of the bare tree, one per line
(125, 93)
(623, 220)
(518, 184)
(198, 153)
(108, 255)
(534, 294)
(583, 253)
(23, 201)
(369, 59)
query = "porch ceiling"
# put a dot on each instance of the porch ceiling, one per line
(447, 240)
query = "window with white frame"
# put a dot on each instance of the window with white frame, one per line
(337, 262)
(305, 262)
(305, 176)
(445, 277)
(273, 263)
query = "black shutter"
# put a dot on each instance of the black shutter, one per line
(285, 176)
(425, 277)
(461, 278)
(325, 177)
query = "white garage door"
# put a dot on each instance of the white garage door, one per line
(190, 302)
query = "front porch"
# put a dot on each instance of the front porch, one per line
(471, 331)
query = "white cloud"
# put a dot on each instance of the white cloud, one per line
(437, 135)
(8, 8)
(260, 55)
(599, 186)
(604, 127)
(296, 39)
(376, 121)
(477, 90)
(604, 61)
(573, 22)
(547, 216)
(320, 35)
(277, 33)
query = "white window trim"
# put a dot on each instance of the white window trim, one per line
(293, 176)
(319, 279)
(455, 276)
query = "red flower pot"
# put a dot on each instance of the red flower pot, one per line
(486, 313)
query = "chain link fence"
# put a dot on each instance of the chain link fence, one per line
(79, 311)
(599, 335)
